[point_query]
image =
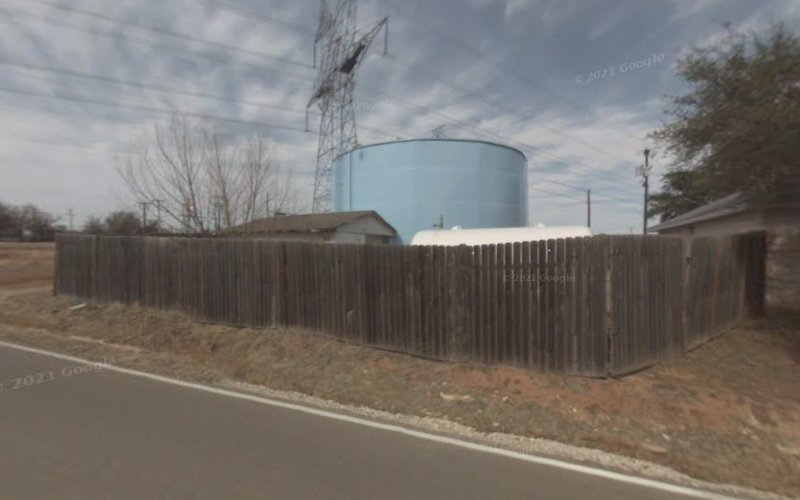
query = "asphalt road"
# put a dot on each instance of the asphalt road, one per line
(68, 432)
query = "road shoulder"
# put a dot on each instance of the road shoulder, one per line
(187, 371)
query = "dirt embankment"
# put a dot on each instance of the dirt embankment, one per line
(727, 412)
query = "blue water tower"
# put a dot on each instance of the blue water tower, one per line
(416, 184)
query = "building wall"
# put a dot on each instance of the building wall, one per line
(788, 216)
(366, 225)
(412, 183)
(783, 245)
(352, 238)
(783, 265)
(360, 238)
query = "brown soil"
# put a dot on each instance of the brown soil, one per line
(23, 265)
(729, 411)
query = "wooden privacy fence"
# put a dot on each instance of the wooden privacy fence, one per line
(598, 306)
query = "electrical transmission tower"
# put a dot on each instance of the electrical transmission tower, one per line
(342, 49)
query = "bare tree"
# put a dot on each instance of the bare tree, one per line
(202, 181)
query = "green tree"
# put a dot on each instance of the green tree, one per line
(681, 191)
(122, 223)
(94, 225)
(27, 222)
(8, 219)
(35, 224)
(738, 126)
(119, 223)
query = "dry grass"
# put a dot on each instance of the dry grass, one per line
(25, 264)
(728, 411)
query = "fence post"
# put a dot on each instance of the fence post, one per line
(756, 274)
(686, 270)
(283, 295)
(743, 254)
(608, 255)
(453, 287)
(57, 265)
(715, 290)
(95, 267)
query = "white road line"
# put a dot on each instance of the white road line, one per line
(584, 469)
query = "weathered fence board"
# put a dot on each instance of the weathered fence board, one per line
(592, 306)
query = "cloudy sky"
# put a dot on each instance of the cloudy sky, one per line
(576, 84)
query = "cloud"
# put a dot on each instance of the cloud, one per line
(517, 60)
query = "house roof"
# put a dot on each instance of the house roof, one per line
(306, 223)
(783, 195)
(729, 205)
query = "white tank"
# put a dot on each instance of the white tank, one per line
(493, 236)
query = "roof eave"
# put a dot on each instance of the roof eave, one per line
(670, 224)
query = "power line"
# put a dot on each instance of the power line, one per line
(287, 72)
(64, 145)
(404, 11)
(136, 26)
(559, 195)
(172, 90)
(463, 123)
(582, 189)
(248, 14)
(498, 105)
(143, 85)
(601, 200)
(465, 91)
(147, 40)
(149, 110)
(85, 147)
(427, 110)
(575, 198)
(89, 148)
(166, 32)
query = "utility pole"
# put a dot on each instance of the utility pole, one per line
(644, 171)
(71, 215)
(217, 212)
(144, 215)
(158, 212)
(187, 217)
(589, 208)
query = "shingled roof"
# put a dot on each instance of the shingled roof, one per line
(787, 194)
(306, 223)
(729, 205)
